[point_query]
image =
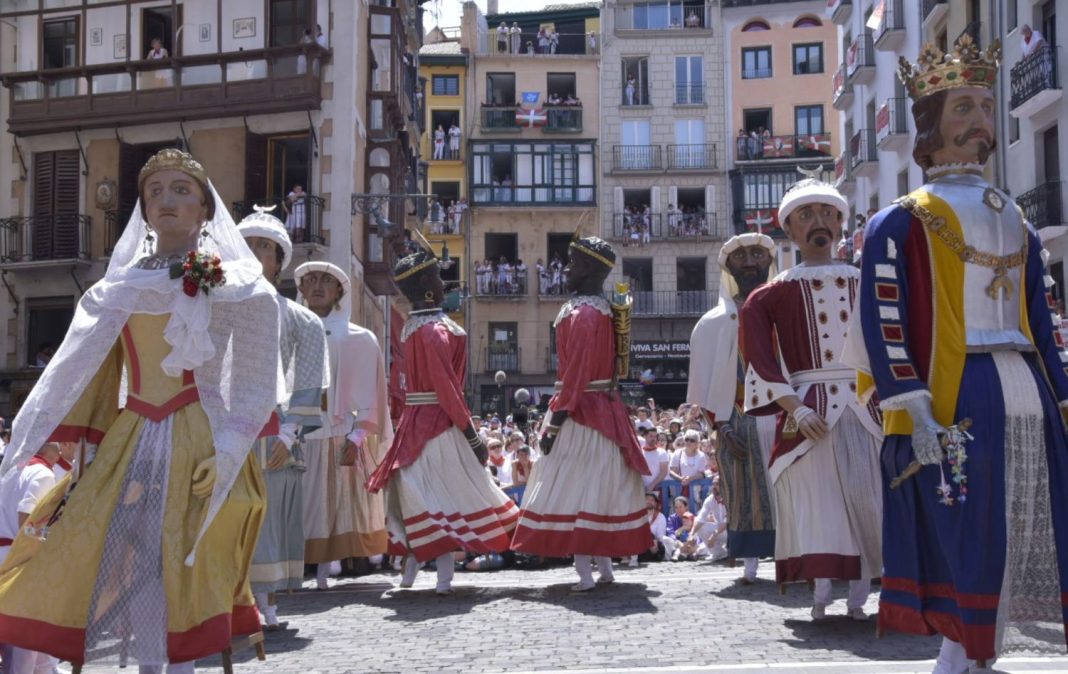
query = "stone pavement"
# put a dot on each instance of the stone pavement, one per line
(666, 617)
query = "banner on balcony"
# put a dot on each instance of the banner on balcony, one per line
(764, 220)
(778, 146)
(816, 142)
(661, 350)
(882, 122)
(876, 18)
(531, 118)
(531, 97)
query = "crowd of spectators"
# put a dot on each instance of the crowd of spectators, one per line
(500, 277)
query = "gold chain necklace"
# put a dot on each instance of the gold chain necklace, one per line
(968, 254)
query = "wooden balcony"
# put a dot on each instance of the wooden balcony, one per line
(231, 84)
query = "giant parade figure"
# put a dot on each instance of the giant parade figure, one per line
(278, 564)
(585, 496)
(142, 558)
(956, 316)
(824, 465)
(716, 384)
(439, 497)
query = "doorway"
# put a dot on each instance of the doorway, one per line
(288, 159)
(160, 22)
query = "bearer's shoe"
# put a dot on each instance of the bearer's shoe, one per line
(583, 586)
(605, 579)
(443, 589)
(411, 567)
(819, 611)
(857, 614)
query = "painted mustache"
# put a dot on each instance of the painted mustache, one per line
(972, 133)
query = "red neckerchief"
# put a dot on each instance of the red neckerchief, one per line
(39, 461)
(64, 464)
(497, 461)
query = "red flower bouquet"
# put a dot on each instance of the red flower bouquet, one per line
(199, 272)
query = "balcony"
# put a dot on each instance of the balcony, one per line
(499, 118)
(567, 119)
(684, 17)
(780, 147)
(863, 155)
(692, 93)
(842, 97)
(231, 84)
(933, 11)
(529, 44)
(639, 96)
(694, 157)
(860, 60)
(1042, 205)
(890, 34)
(626, 225)
(891, 123)
(44, 239)
(309, 218)
(840, 11)
(670, 303)
(440, 222)
(844, 180)
(507, 286)
(637, 158)
(504, 357)
(1034, 82)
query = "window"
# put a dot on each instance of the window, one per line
(807, 22)
(1010, 14)
(757, 119)
(689, 150)
(756, 62)
(290, 164)
(1014, 129)
(500, 89)
(689, 80)
(503, 352)
(690, 273)
(561, 85)
(808, 120)
(669, 14)
(159, 23)
(757, 25)
(635, 138)
(288, 21)
(56, 233)
(636, 81)
(445, 85)
(639, 272)
(49, 319)
(903, 182)
(60, 43)
(808, 58)
(533, 173)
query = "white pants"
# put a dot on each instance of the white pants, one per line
(858, 592)
(180, 668)
(749, 566)
(28, 662)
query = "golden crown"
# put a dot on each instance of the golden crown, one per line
(965, 66)
(172, 159)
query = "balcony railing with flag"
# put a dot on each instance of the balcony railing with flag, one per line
(637, 226)
(637, 158)
(672, 302)
(565, 118)
(694, 156)
(1042, 205)
(893, 20)
(1034, 74)
(45, 237)
(842, 88)
(777, 147)
(860, 55)
(502, 357)
(303, 221)
(499, 118)
(862, 148)
(692, 93)
(891, 120)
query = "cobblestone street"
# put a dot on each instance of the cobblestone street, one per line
(667, 617)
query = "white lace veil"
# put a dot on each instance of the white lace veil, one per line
(237, 385)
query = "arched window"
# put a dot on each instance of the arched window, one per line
(807, 22)
(755, 25)
(379, 157)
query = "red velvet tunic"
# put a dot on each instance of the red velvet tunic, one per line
(435, 360)
(586, 347)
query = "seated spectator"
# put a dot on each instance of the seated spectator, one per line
(689, 463)
(708, 535)
(679, 524)
(521, 466)
(498, 464)
(657, 527)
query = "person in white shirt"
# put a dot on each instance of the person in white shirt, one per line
(439, 142)
(708, 536)
(1032, 40)
(68, 452)
(454, 141)
(320, 39)
(657, 527)
(18, 499)
(157, 50)
(516, 34)
(502, 38)
(688, 464)
(657, 459)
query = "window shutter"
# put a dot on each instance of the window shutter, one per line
(256, 169)
(673, 196)
(654, 199)
(712, 209)
(67, 183)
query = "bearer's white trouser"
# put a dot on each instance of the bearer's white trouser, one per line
(28, 662)
(858, 592)
(180, 668)
(749, 566)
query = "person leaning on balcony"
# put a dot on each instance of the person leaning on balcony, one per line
(591, 42)
(158, 51)
(454, 141)
(630, 89)
(296, 213)
(1032, 40)
(554, 40)
(516, 34)
(693, 21)
(502, 37)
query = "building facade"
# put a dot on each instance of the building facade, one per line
(780, 57)
(249, 87)
(531, 158)
(664, 197)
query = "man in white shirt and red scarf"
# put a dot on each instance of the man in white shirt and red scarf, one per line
(824, 465)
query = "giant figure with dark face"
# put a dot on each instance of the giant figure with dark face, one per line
(955, 316)
(585, 496)
(824, 464)
(716, 379)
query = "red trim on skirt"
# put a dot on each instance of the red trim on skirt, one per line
(811, 567)
(504, 517)
(579, 540)
(978, 640)
(245, 620)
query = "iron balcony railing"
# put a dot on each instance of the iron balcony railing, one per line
(692, 224)
(566, 118)
(530, 42)
(45, 237)
(686, 15)
(114, 225)
(862, 148)
(507, 283)
(303, 219)
(1033, 75)
(777, 147)
(637, 158)
(841, 84)
(691, 93)
(503, 357)
(637, 226)
(1042, 205)
(861, 54)
(843, 169)
(929, 5)
(892, 118)
(972, 30)
(649, 303)
(694, 156)
(639, 95)
(439, 221)
(497, 118)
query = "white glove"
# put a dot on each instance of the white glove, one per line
(357, 437)
(926, 444)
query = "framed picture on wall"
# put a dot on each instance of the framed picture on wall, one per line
(120, 46)
(96, 37)
(245, 27)
(205, 32)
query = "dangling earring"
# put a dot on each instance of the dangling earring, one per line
(428, 297)
(149, 239)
